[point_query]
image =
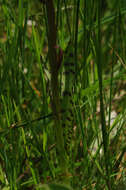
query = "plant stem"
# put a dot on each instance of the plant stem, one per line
(52, 35)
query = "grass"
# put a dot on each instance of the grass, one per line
(32, 153)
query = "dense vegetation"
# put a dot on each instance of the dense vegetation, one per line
(37, 39)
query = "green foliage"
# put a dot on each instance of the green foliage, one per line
(54, 187)
(31, 140)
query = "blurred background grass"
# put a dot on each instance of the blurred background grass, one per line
(28, 156)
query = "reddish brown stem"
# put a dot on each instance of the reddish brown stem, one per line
(54, 64)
